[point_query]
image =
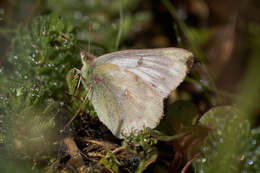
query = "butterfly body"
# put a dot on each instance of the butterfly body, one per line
(130, 85)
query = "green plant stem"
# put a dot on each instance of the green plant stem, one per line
(119, 34)
(188, 37)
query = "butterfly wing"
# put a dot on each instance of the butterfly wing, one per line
(132, 85)
(161, 69)
(123, 101)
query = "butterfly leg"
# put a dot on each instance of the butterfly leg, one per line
(96, 80)
(77, 112)
(78, 72)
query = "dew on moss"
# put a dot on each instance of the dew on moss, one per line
(250, 162)
(253, 142)
(61, 103)
(203, 160)
(54, 83)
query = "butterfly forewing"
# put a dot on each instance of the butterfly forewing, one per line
(162, 69)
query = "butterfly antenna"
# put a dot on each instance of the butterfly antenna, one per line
(85, 52)
(78, 84)
(89, 30)
(78, 72)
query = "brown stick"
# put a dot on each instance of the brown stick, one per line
(188, 164)
(99, 142)
(75, 155)
(119, 149)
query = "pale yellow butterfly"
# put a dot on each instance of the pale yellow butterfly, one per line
(128, 87)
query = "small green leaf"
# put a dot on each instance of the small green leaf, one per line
(179, 114)
(144, 164)
(218, 115)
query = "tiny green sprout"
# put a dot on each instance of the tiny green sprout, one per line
(110, 162)
(19, 92)
(142, 139)
(2, 138)
(143, 165)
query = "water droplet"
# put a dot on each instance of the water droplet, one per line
(250, 162)
(179, 39)
(44, 31)
(203, 160)
(219, 132)
(253, 142)
(61, 103)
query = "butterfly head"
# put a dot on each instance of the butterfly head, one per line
(88, 61)
(87, 58)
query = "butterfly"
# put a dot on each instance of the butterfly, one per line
(128, 87)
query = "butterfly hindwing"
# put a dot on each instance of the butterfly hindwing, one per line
(123, 101)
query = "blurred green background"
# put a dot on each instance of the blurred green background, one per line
(224, 36)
